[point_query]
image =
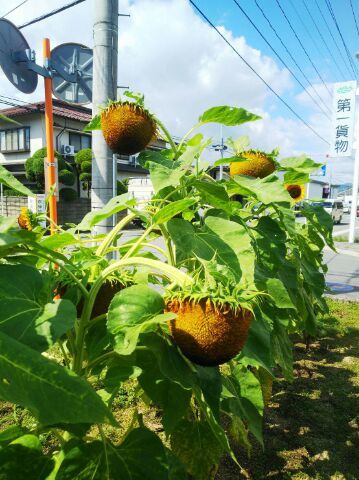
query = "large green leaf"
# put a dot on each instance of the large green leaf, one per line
(165, 172)
(214, 194)
(220, 239)
(194, 443)
(6, 178)
(27, 312)
(52, 393)
(115, 205)
(257, 349)
(168, 394)
(172, 209)
(266, 190)
(229, 116)
(59, 240)
(140, 456)
(282, 348)
(302, 164)
(24, 460)
(132, 311)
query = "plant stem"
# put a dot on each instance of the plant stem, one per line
(170, 255)
(101, 358)
(184, 138)
(138, 241)
(167, 135)
(112, 234)
(64, 354)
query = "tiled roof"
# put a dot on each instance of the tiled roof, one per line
(60, 109)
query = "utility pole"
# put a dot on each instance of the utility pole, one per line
(221, 147)
(353, 210)
(105, 35)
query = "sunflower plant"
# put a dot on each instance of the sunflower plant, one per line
(196, 312)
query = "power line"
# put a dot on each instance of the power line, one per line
(306, 29)
(303, 48)
(13, 9)
(290, 54)
(332, 36)
(255, 72)
(280, 59)
(323, 39)
(355, 18)
(50, 14)
(331, 11)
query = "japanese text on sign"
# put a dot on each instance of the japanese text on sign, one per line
(341, 138)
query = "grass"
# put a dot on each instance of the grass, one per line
(311, 425)
(344, 238)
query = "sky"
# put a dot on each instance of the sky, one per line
(181, 64)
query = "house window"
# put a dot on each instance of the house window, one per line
(15, 140)
(79, 141)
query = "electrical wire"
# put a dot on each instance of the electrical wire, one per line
(255, 72)
(303, 48)
(281, 60)
(290, 54)
(50, 14)
(332, 36)
(13, 9)
(331, 11)
(355, 18)
(323, 39)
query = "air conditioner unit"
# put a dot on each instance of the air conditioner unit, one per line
(68, 150)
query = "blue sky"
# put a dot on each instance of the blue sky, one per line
(226, 13)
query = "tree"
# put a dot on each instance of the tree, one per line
(34, 168)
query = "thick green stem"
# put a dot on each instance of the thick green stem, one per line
(167, 135)
(112, 235)
(168, 243)
(139, 241)
(185, 137)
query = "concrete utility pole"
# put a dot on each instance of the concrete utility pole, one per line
(105, 34)
(353, 210)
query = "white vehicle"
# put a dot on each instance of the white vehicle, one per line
(334, 207)
(346, 207)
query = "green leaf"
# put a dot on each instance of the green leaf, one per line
(4, 118)
(94, 124)
(224, 161)
(214, 194)
(165, 172)
(173, 400)
(115, 205)
(229, 116)
(52, 393)
(171, 210)
(120, 369)
(6, 178)
(282, 350)
(10, 434)
(133, 310)
(26, 310)
(140, 456)
(292, 177)
(24, 460)
(302, 164)
(321, 220)
(257, 349)
(59, 240)
(194, 443)
(266, 190)
(279, 293)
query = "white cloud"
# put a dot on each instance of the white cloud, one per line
(183, 67)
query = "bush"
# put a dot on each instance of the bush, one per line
(85, 177)
(34, 167)
(84, 155)
(66, 177)
(86, 166)
(68, 194)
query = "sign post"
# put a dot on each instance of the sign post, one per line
(342, 134)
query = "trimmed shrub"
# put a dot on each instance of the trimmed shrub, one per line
(68, 194)
(84, 155)
(86, 166)
(66, 177)
(34, 167)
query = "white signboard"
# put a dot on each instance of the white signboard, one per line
(341, 138)
(37, 204)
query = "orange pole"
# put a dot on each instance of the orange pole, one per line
(49, 124)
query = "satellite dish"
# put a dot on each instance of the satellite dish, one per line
(71, 65)
(13, 46)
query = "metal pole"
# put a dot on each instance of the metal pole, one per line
(222, 149)
(353, 211)
(105, 34)
(2, 198)
(49, 124)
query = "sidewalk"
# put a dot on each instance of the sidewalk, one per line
(343, 271)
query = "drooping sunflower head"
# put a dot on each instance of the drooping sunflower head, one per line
(297, 192)
(25, 220)
(256, 164)
(128, 127)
